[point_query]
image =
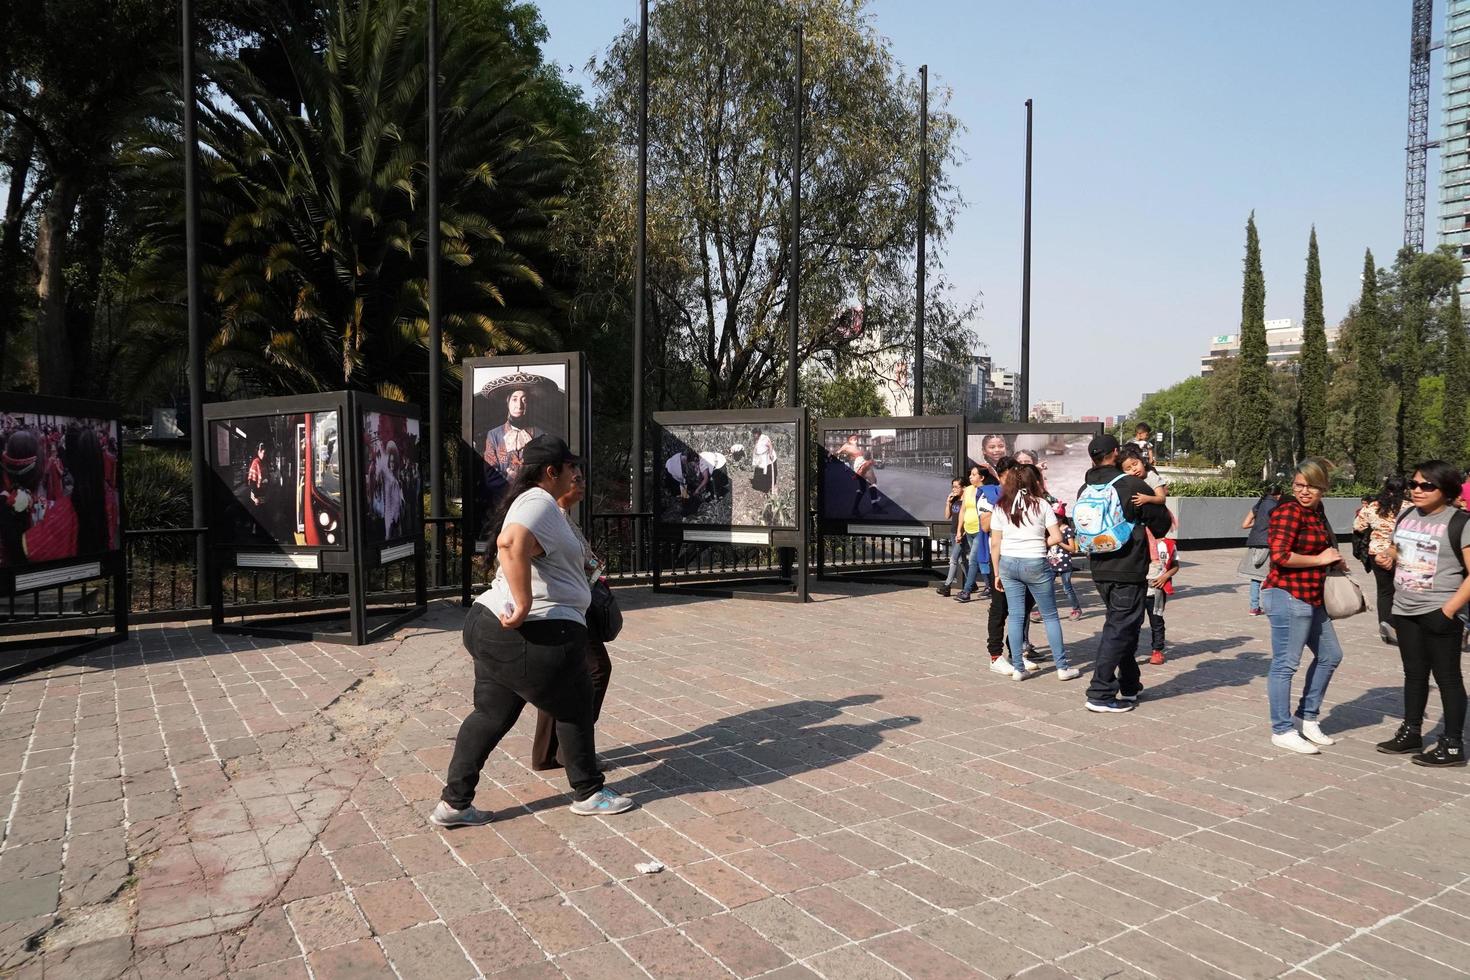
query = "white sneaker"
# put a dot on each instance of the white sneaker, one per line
(603, 803)
(1019, 675)
(1313, 733)
(1002, 666)
(1068, 674)
(1293, 742)
(445, 815)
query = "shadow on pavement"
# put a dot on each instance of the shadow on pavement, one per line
(755, 747)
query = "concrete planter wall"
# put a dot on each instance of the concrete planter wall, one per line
(1216, 520)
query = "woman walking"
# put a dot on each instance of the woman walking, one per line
(1021, 529)
(528, 636)
(1428, 557)
(1255, 564)
(599, 665)
(1377, 519)
(1300, 540)
(954, 508)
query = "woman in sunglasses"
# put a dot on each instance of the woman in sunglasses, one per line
(1302, 552)
(1428, 557)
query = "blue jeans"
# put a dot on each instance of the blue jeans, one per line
(979, 545)
(1255, 594)
(1034, 575)
(956, 561)
(1296, 625)
(1066, 578)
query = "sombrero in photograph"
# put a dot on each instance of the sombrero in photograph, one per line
(521, 380)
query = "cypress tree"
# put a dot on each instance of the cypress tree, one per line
(1312, 393)
(1368, 395)
(1411, 426)
(1456, 382)
(1253, 391)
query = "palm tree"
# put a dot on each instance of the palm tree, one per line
(313, 206)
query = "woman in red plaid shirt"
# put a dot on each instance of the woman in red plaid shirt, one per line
(1302, 551)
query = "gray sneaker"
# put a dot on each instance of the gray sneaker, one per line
(602, 803)
(445, 815)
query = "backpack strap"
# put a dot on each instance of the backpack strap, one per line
(1116, 479)
(1458, 520)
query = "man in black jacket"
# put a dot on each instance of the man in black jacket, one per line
(1121, 578)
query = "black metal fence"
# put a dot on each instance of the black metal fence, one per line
(162, 573)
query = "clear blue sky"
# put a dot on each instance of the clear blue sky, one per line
(1159, 127)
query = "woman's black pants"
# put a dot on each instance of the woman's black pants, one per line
(1430, 644)
(543, 663)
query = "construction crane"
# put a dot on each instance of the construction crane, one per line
(1416, 169)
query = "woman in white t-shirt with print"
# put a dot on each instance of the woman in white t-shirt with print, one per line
(1022, 527)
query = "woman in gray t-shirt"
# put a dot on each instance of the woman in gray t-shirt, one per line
(528, 638)
(1429, 555)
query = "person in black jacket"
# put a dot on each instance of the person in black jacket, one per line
(1121, 578)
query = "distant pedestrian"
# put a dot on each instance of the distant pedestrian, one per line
(1143, 438)
(1302, 552)
(1377, 520)
(1022, 528)
(1059, 557)
(1429, 556)
(975, 528)
(1121, 575)
(1163, 566)
(528, 637)
(954, 507)
(1256, 563)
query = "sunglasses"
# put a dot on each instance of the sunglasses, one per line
(1426, 487)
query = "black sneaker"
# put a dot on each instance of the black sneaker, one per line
(987, 594)
(1035, 656)
(1111, 707)
(1449, 752)
(943, 590)
(963, 597)
(1404, 741)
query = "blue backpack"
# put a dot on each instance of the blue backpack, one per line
(1098, 516)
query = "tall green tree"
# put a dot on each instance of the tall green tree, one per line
(1456, 382)
(1254, 389)
(1312, 380)
(314, 227)
(720, 154)
(1368, 394)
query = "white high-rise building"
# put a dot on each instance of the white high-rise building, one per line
(1454, 148)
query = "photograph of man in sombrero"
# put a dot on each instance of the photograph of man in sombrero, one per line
(513, 405)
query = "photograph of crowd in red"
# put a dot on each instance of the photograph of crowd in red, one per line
(58, 488)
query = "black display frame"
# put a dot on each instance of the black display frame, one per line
(922, 531)
(795, 588)
(578, 396)
(46, 634)
(353, 557)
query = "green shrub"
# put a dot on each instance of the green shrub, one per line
(1225, 487)
(158, 487)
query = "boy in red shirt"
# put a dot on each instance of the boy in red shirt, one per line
(1161, 569)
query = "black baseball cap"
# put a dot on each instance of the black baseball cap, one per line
(1101, 445)
(547, 450)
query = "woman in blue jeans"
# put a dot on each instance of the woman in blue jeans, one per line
(1302, 552)
(1022, 527)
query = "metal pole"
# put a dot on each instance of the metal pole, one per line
(1025, 380)
(436, 343)
(635, 501)
(923, 236)
(196, 338)
(1171, 437)
(794, 297)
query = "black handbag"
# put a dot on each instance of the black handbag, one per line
(604, 618)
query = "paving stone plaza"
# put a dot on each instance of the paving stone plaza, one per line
(838, 790)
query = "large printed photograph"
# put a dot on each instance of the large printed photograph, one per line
(737, 474)
(281, 480)
(392, 485)
(1062, 458)
(512, 405)
(899, 474)
(59, 498)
